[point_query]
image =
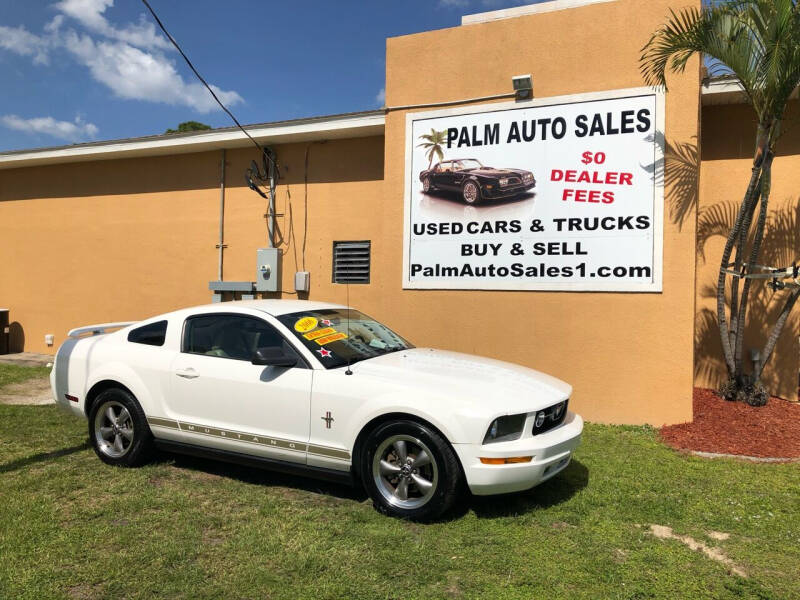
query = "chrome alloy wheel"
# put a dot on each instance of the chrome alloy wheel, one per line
(470, 192)
(113, 429)
(426, 184)
(405, 471)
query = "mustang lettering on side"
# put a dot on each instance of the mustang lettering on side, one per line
(317, 389)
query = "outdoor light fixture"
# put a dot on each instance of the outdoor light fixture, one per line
(523, 86)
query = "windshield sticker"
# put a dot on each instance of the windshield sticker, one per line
(324, 353)
(312, 335)
(305, 324)
(326, 322)
(331, 338)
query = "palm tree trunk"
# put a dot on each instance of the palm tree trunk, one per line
(727, 346)
(772, 340)
(766, 186)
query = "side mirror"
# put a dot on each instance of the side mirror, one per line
(273, 357)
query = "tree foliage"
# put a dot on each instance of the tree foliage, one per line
(189, 126)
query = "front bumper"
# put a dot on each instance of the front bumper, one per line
(504, 192)
(551, 453)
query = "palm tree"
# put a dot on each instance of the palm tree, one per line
(433, 144)
(758, 43)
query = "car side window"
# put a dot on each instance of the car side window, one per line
(232, 336)
(152, 334)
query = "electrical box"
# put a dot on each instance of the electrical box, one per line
(268, 275)
(301, 281)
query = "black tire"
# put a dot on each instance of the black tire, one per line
(130, 430)
(427, 185)
(443, 471)
(471, 191)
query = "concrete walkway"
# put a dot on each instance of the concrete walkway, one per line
(32, 391)
(27, 359)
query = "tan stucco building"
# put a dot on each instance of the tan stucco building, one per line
(126, 229)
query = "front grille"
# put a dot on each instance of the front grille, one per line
(514, 181)
(553, 417)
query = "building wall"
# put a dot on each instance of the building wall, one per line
(126, 239)
(728, 133)
(628, 356)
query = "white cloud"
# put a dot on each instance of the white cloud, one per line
(72, 131)
(21, 41)
(135, 74)
(454, 3)
(90, 14)
(128, 60)
(380, 97)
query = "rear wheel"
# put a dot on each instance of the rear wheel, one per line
(118, 429)
(410, 471)
(427, 186)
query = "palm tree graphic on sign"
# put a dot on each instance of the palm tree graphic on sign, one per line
(433, 142)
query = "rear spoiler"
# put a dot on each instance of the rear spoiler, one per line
(98, 329)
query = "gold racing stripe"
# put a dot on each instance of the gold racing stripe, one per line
(159, 422)
(251, 438)
(328, 452)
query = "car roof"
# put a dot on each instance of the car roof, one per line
(275, 308)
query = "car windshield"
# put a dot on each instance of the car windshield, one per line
(467, 163)
(339, 336)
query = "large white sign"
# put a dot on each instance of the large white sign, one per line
(556, 194)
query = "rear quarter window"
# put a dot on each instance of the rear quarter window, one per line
(152, 334)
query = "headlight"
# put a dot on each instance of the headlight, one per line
(503, 182)
(527, 176)
(549, 417)
(505, 429)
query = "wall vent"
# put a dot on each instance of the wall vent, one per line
(351, 262)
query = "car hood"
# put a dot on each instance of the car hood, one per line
(502, 387)
(490, 172)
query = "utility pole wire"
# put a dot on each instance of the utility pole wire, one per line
(208, 87)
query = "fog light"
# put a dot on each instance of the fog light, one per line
(540, 416)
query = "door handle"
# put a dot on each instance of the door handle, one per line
(188, 373)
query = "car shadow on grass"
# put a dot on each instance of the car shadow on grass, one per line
(21, 463)
(550, 493)
(262, 477)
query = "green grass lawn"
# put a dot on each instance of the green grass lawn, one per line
(71, 527)
(16, 374)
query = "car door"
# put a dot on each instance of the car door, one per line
(220, 399)
(445, 178)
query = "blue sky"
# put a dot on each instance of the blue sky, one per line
(82, 70)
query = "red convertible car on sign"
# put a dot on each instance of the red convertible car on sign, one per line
(475, 182)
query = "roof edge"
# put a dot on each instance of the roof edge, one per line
(347, 125)
(528, 9)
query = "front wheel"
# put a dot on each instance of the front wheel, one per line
(410, 471)
(118, 429)
(471, 192)
(427, 185)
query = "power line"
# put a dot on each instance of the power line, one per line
(208, 87)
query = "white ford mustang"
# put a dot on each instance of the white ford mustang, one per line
(319, 389)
